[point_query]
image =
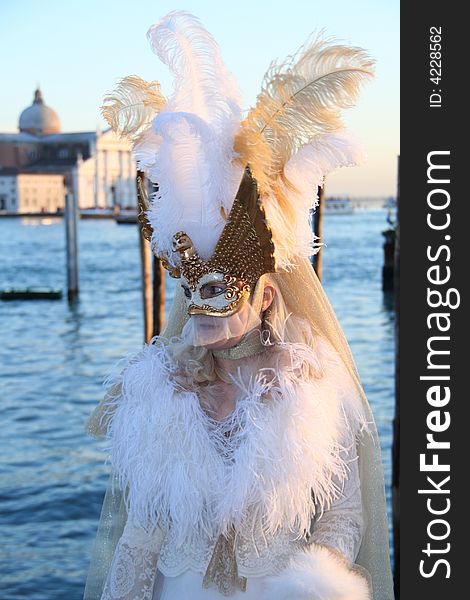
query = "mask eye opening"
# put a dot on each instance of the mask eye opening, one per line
(213, 289)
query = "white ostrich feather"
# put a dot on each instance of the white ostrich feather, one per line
(325, 153)
(288, 440)
(195, 179)
(203, 85)
(301, 98)
(189, 153)
(308, 169)
(132, 105)
(146, 149)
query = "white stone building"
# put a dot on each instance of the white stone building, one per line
(32, 192)
(96, 166)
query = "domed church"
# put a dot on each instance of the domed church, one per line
(39, 119)
(40, 164)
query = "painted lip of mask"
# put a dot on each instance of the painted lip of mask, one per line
(204, 330)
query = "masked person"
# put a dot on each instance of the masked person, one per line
(245, 458)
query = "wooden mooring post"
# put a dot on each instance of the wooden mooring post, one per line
(317, 259)
(146, 272)
(158, 296)
(71, 217)
(396, 420)
(153, 273)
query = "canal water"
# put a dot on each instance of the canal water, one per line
(55, 355)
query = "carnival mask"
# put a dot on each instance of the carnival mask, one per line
(215, 294)
(220, 286)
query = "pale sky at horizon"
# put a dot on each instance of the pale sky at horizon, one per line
(76, 51)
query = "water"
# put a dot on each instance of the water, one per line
(54, 357)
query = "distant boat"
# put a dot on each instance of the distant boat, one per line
(121, 216)
(342, 206)
(96, 213)
(31, 293)
(126, 217)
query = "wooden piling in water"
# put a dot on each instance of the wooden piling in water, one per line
(71, 242)
(158, 296)
(396, 420)
(388, 268)
(318, 230)
(147, 295)
(153, 279)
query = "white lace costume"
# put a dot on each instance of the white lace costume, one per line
(270, 420)
(138, 555)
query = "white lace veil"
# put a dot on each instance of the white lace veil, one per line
(304, 296)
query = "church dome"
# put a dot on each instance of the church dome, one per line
(38, 118)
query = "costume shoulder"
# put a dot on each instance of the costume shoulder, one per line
(116, 384)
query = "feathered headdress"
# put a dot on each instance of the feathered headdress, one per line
(200, 153)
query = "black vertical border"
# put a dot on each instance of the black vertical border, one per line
(424, 129)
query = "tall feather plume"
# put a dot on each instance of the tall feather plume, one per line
(294, 236)
(300, 98)
(203, 85)
(130, 108)
(193, 139)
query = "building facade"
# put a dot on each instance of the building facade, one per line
(31, 192)
(95, 166)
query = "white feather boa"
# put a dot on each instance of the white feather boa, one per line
(318, 574)
(283, 461)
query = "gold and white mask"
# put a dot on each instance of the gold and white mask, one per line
(215, 294)
(221, 286)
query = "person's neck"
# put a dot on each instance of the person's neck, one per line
(224, 367)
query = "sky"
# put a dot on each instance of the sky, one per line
(77, 51)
